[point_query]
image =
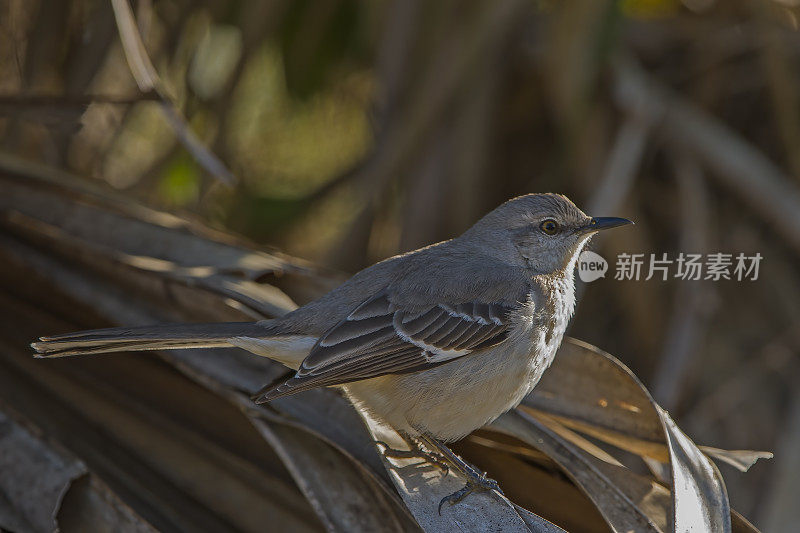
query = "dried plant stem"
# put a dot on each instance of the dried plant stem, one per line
(148, 80)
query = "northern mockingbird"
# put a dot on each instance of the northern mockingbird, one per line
(435, 343)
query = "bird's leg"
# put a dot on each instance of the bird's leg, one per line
(476, 480)
(415, 451)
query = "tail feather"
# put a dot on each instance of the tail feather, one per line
(160, 337)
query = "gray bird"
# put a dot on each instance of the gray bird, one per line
(435, 343)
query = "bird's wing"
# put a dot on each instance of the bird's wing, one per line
(379, 338)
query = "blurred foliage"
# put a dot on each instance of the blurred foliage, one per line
(362, 129)
(314, 39)
(287, 145)
(181, 182)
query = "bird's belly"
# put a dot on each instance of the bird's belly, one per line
(452, 400)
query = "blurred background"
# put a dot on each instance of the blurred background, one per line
(355, 130)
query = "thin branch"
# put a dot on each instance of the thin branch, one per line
(622, 165)
(148, 80)
(37, 100)
(694, 300)
(736, 163)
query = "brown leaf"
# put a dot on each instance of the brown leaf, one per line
(619, 510)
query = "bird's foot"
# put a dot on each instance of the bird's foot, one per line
(415, 452)
(476, 481)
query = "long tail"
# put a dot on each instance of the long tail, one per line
(161, 337)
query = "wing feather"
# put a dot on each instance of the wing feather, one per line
(473, 336)
(439, 320)
(437, 337)
(464, 331)
(380, 338)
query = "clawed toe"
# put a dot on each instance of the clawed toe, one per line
(485, 483)
(386, 447)
(439, 462)
(416, 452)
(478, 482)
(456, 497)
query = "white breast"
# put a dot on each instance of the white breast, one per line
(452, 400)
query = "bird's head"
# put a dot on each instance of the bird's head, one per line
(544, 232)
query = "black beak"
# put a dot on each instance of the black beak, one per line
(601, 223)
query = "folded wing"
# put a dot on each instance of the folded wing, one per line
(379, 338)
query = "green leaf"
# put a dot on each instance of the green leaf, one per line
(181, 182)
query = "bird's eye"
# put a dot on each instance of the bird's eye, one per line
(549, 226)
